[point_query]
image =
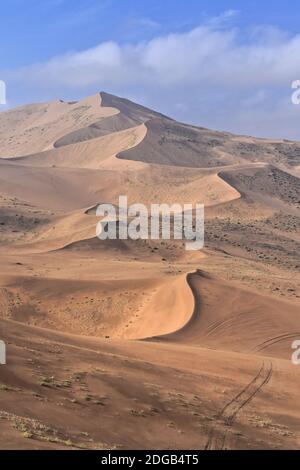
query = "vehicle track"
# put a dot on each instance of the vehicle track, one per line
(227, 416)
(276, 339)
(226, 324)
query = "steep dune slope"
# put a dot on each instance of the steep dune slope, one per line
(130, 115)
(34, 128)
(124, 308)
(172, 143)
(87, 153)
(232, 318)
(265, 185)
(108, 125)
(184, 349)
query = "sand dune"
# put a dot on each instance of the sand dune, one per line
(34, 128)
(228, 315)
(55, 188)
(266, 184)
(182, 349)
(126, 308)
(68, 383)
(89, 153)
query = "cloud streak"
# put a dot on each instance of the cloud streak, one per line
(187, 74)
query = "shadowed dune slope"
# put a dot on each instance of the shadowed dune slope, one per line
(35, 128)
(130, 115)
(129, 108)
(106, 126)
(232, 318)
(167, 348)
(170, 143)
(87, 153)
(265, 184)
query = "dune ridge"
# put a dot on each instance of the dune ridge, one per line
(185, 349)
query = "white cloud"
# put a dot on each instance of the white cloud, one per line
(254, 73)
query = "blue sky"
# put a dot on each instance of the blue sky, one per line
(220, 64)
(36, 30)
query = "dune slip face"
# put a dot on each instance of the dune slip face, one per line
(166, 348)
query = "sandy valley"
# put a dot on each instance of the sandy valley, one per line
(124, 344)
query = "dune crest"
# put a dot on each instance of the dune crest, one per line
(187, 349)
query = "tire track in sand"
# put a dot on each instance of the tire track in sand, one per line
(274, 340)
(227, 416)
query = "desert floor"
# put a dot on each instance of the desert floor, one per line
(141, 344)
